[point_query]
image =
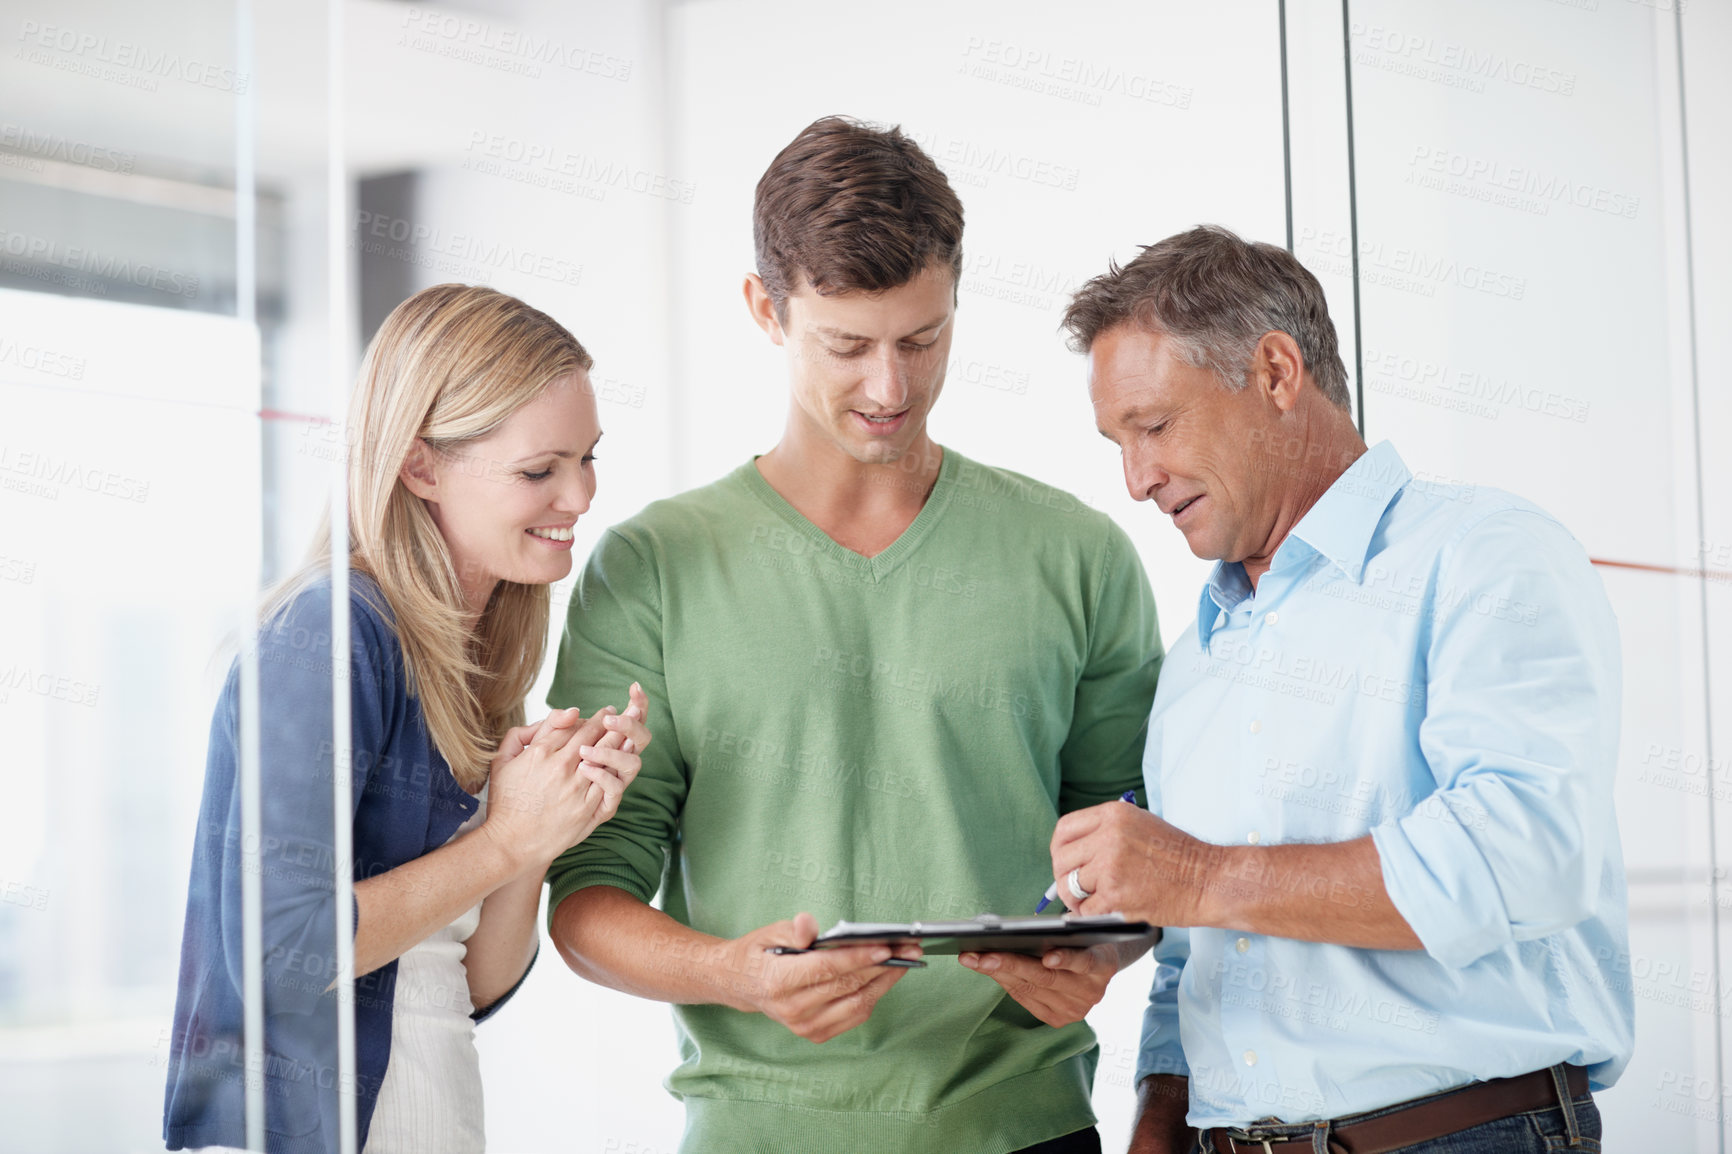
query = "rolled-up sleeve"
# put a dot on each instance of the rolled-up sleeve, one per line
(613, 637)
(1521, 734)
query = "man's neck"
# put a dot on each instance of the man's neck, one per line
(862, 507)
(1333, 458)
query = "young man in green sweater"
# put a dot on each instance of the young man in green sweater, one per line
(878, 673)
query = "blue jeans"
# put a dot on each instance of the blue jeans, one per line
(1535, 1132)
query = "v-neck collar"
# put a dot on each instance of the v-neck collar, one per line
(881, 565)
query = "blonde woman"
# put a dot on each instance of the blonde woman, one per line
(473, 433)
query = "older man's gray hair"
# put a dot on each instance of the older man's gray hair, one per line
(1215, 295)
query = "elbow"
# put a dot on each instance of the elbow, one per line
(1566, 900)
(1563, 891)
(566, 927)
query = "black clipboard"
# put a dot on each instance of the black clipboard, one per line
(1020, 935)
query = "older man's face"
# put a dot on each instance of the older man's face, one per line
(1189, 444)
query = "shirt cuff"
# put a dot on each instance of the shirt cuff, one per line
(1438, 880)
(1160, 1052)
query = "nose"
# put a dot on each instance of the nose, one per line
(576, 492)
(1143, 474)
(887, 382)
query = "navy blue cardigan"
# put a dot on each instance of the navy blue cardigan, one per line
(406, 803)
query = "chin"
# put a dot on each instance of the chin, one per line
(542, 574)
(1202, 549)
(874, 451)
(879, 454)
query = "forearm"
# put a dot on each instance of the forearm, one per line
(503, 945)
(609, 937)
(402, 907)
(1162, 1102)
(1330, 892)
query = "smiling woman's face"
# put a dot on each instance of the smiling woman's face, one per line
(505, 503)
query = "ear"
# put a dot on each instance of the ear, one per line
(762, 308)
(1279, 369)
(418, 474)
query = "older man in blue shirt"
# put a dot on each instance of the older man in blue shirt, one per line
(1379, 766)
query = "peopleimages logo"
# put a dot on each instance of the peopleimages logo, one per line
(1457, 65)
(85, 49)
(37, 359)
(54, 471)
(1545, 188)
(52, 146)
(40, 250)
(1067, 77)
(1407, 269)
(492, 45)
(428, 246)
(532, 162)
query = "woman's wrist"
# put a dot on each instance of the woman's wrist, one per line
(510, 860)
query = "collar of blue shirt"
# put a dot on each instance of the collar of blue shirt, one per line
(1338, 528)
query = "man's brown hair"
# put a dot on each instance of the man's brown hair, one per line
(851, 207)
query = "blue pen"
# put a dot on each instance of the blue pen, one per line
(1051, 894)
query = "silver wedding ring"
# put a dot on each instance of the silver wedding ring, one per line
(1076, 890)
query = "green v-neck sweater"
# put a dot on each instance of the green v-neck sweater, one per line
(889, 738)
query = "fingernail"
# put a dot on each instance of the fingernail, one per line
(586, 750)
(610, 722)
(967, 960)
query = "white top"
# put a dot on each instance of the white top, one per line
(430, 1099)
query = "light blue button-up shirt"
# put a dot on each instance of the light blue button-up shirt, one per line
(1436, 666)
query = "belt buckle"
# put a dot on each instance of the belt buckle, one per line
(1251, 1136)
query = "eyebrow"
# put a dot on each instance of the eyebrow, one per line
(1135, 415)
(842, 334)
(564, 454)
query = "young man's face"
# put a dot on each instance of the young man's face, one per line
(867, 368)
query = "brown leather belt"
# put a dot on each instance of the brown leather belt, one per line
(1423, 1119)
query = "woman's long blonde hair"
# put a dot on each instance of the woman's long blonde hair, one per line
(449, 365)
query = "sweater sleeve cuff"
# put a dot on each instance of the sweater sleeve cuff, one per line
(569, 881)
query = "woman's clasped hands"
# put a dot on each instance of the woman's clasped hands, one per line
(551, 784)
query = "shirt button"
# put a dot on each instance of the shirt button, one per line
(1253, 837)
(1242, 944)
(1256, 727)
(1250, 1057)
(1271, 618)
